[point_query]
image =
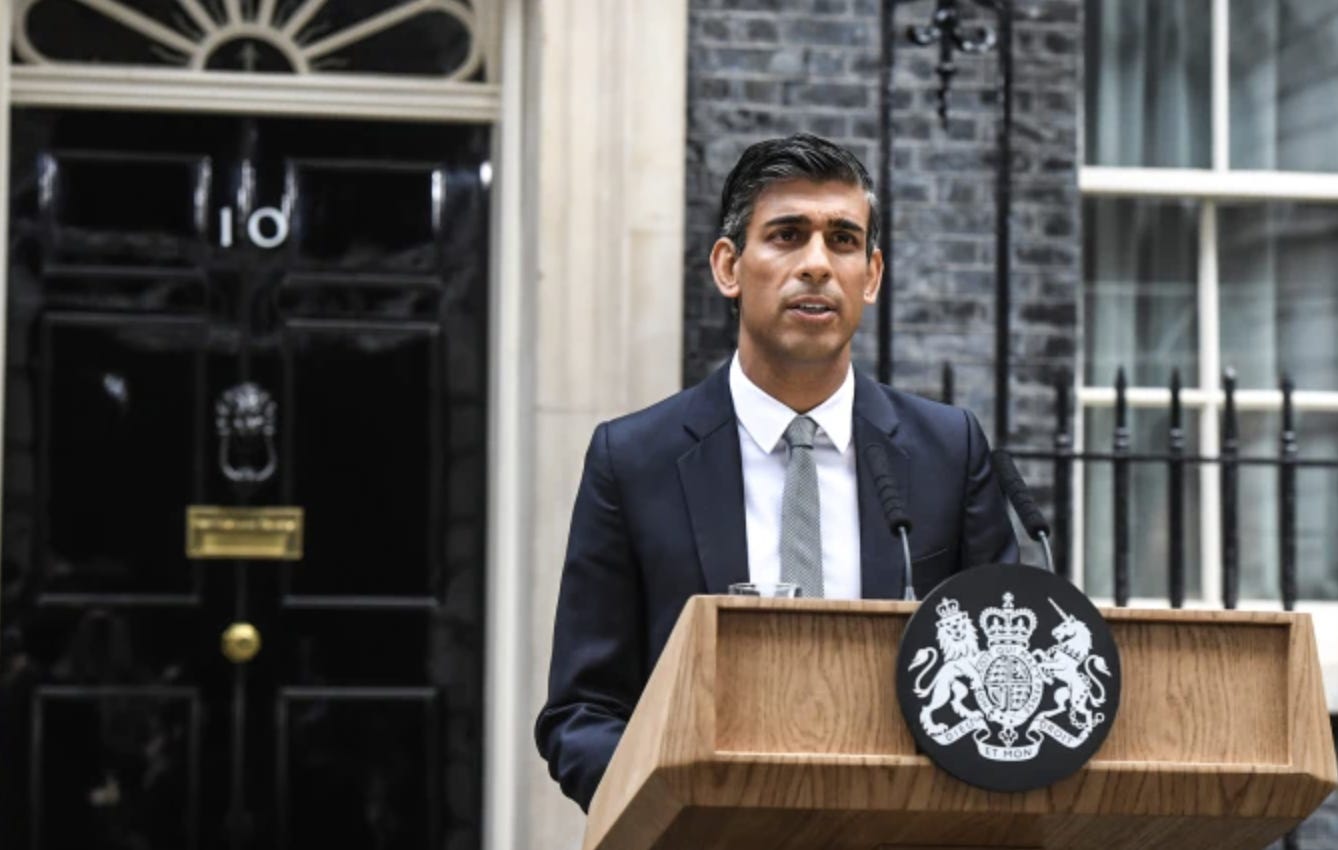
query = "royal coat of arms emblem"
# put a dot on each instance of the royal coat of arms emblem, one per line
(1008, 700)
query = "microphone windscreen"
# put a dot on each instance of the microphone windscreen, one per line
(885, 483)
(1016, 490)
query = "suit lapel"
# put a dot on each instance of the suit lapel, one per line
(881, 559)
(711, 473)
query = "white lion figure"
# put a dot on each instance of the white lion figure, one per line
(960, 646)
(1071, 662)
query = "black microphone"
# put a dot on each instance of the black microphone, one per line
(894, 507)
(1025, 506)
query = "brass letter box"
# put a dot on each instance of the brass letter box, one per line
(273, 533)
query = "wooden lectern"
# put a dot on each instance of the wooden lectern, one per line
(774, 724)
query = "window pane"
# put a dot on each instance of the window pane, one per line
(1148, 83)
(1279, 293)
(1149, 501)
(1141, 306)
(1283, 111)
(1316, 505)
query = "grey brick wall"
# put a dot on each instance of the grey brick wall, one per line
(760, 68)
(945, 216)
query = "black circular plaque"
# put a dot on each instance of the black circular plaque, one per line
(1008, 677)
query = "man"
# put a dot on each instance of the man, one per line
(758, 472)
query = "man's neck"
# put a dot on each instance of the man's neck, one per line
(799, 386)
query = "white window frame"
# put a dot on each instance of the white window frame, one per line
(1209, 187)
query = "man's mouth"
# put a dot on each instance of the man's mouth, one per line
(812, 309)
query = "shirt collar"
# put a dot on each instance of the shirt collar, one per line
(765, 419)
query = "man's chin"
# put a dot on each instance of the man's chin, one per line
(811, 353)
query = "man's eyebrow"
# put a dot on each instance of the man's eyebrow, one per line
(836, 222)
(792, 218)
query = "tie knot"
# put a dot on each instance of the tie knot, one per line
(800, 433)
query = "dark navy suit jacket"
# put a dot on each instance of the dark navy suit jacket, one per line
(659, 516)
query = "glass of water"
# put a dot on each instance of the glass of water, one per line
(770, 589)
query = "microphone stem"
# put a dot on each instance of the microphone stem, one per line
(909, 593)
(1045, 543)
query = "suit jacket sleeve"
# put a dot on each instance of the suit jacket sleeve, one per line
(987, 532)
(597, 670)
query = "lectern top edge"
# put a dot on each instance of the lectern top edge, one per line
(826, 606)
(888, 606)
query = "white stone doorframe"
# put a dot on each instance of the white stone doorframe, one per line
(610, 111)
(585, 292)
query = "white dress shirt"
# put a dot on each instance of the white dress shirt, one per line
(762, 424)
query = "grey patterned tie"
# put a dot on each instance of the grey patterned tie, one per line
(801, 517)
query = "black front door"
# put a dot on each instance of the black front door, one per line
(236, 312)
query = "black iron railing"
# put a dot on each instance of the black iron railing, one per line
(1174, 457)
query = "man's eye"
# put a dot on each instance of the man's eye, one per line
(845, 239)
(789, 234)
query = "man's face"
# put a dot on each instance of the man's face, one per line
(804, 275)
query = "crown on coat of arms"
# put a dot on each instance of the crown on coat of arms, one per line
(948, 611)
(1006, 625)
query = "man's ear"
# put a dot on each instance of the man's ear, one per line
(874, 281)
(723, 259)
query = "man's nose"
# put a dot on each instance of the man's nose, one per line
(815, 263)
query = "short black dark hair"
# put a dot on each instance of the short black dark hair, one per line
(802, 156)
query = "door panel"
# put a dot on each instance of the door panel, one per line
(113, 767)
(357, 767)
(121, 438)
(369, 485)
(209, 310)
(366, 216)
(124, 207)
